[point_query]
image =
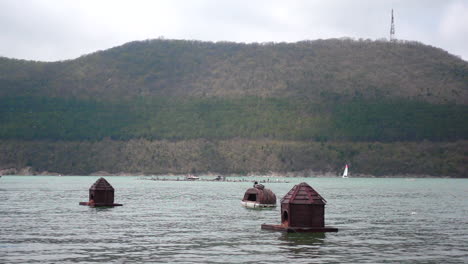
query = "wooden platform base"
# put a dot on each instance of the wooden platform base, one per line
(255, 205)
(97, 205)
(299, 229)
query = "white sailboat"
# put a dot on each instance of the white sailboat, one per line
(345, 172)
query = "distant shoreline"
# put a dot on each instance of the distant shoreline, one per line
(304, 174)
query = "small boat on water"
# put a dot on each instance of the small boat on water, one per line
(259, 197)
(192, 178)
(345, 172)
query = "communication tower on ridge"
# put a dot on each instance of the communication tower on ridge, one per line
(392, 30)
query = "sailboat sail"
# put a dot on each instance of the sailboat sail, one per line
(345, 173)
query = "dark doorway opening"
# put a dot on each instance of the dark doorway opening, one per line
(285, 218)
(252, 197)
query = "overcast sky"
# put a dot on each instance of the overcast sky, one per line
(50, 30)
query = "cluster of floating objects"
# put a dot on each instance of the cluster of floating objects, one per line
(302, 208)
(218, 178)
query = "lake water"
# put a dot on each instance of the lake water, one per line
(379, 220)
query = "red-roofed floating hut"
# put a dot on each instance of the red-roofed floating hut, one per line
(302, 210)
(259, 197)
(101, 193)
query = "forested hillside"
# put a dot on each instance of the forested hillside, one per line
(323, 69)
(336, 91)
(386, 120)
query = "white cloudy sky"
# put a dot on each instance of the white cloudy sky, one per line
(50, 30)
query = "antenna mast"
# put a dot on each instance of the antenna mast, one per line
(392, 30)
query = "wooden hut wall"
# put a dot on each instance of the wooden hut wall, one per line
(307, 215)
(102, 196)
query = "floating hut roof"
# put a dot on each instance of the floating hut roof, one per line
(264, 195)
(102, 185)
(303, 194)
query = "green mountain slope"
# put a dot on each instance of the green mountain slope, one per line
(323, 69)
(153, 118)
(211, 98)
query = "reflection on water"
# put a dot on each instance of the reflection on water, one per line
(303, 245)
(379, 220)
(295, 239)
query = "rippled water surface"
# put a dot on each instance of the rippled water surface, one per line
(379, 220)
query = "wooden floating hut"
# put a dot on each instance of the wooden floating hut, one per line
(101, 193)
(259, 197)
(302, 210)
